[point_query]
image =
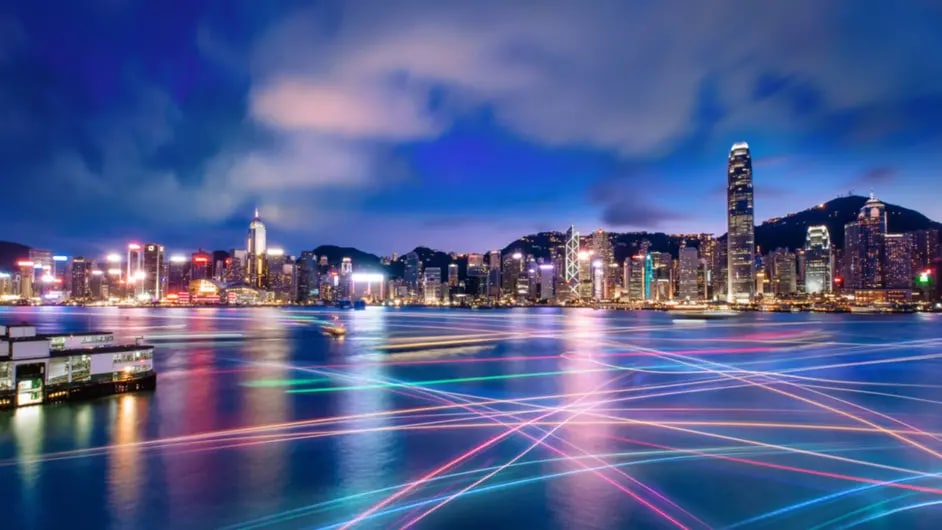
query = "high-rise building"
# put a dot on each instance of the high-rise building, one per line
(689, 265)
(547, 281)
(256, 251)
(154, 273)
(927, 262)
(709, 257)
(819, 260)
(477, 275)
(307, 276)
(281, 275)
(413, 272)
(660, 276)
(345, 290)
(586, 277)
(432, 281)
(81, 278)
(720, 270)
(925, 250)
(740, 237)
(864, 246)
(784, 273)
(178, 274)
(493, 274)
(219, 268)
(134, 277)
(452, 275)
(200, 265)
(236, 266)
(572, 263)
(898, 265)
(603, 253)
(511, 270)
(598, 271)
(637, 283)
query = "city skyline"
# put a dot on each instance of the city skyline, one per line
(97, 250)
(494, 120)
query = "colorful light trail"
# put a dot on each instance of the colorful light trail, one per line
(433, 414)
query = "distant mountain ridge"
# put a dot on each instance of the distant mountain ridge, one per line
(790, 231)
(10, 253)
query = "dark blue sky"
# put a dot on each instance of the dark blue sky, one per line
(458, 125)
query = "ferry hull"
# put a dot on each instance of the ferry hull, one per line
(85, 391)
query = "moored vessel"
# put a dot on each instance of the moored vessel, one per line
(47, 368)
(701, 312)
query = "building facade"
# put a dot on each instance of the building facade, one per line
(864, 247)
(818, 260)
(741, 249)
(255, 249)
(689, 264)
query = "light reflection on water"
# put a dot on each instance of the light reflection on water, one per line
(244, 425)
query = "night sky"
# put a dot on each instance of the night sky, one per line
(456, 125)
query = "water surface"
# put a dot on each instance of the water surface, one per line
(524, 418)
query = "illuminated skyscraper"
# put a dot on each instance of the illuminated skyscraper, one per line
(597, 273)
(413, 272)
(740, 238)
(178, 280)
(477, 275)
(452, 275)
(660, 276)
(307, 276)
(898, 265)
(602, 252)
(81, 278)
(255, 249)
(135, 271)
(784, 273)
(345, 289)
(925, 249)
(200, 264)
(864, 246)
(432, 282)
(153, 275)
(493, 274)
(512, 269)
(236, 266)
(689, 265)
(572, 263)
(818, 260)
(547, 281)
(637, 283)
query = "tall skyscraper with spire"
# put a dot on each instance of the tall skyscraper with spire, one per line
(740, 239)
(255, 250)
(571, 265)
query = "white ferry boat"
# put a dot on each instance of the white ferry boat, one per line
(46, 368)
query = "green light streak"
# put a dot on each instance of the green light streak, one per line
(433, 382)
(865, 509)
(274, 383)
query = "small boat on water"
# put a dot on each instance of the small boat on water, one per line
(335, 330)
(700, 312)
(869, 309)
